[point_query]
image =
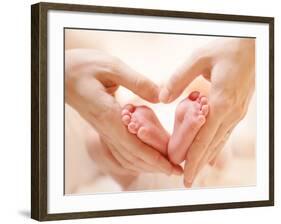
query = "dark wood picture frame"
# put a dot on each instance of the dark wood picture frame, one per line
(39, 107)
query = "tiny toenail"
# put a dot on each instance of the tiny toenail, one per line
(194, 95)
(204, 109)
(125, 112)
(203, 100)
(129, 107)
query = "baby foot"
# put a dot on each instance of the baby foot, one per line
(141, 121)
(190, 116)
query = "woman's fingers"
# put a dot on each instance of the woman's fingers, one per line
(90, 99)
(216, 152)
(151, 156)
(125, 76)
(199, 147)
(123, 162)
(212, 153)
(114, 166)
(130, 161)
(104, 157)
(195, 66)
(148, 159)
(223, 132)
(220, 138)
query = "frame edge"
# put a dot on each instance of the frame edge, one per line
(271, 111)
(154, 12)
(38, 112)
(35, 190)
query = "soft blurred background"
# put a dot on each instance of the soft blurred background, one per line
(156, 56)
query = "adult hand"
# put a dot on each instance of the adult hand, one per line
(91, 78)
(230, 67)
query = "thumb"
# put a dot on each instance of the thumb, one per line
(137, 83)
(192, 68)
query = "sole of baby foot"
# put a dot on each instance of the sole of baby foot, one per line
(190, 116)
(142, 121)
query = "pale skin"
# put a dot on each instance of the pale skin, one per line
(92, 75)
(91, 79)
(190, 116)
(229, 65)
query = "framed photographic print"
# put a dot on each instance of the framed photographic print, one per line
(141, 111)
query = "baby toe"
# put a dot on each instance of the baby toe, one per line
(125, 112)
(203, 100)
(205, 110)
(194, 95)
(201, 119)
(126, 119)
(129, 107)
(133, 127)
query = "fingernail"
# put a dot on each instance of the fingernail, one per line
(164, 95)
(187, 183)
(188, 180)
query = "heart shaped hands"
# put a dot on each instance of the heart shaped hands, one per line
(93, 77)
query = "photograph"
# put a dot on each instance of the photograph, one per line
(141, 111)
(131, 97)
(136, 111)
